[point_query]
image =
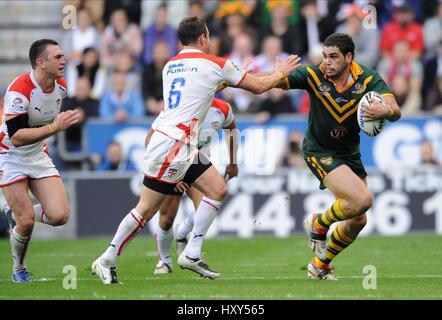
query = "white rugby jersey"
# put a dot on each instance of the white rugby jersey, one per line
(219, 116)
(25, 95)
(190, 80)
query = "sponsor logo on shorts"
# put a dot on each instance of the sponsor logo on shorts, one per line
(326, 160)
(338, 132)
(172, 172)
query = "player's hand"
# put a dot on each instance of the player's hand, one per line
(231, 171)
(247, 65)
(289, 64)
(377, 110)
(181, 186)
(67, 119)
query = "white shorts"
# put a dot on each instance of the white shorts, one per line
(167, 159)
(15, 168)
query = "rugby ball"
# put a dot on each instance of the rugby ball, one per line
(371, 128)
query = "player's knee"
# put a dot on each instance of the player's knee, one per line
(61, 218)
(364, 202)
(219, 193)
(25, 221)
(166, 223)
(360, 221)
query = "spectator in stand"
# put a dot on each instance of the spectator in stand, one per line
(159, 31)
(434, 99)
(152, 79)
(366, 40)
(177, 10)
(88, 108)
(131, 7)
(95, 9)
(120, 104)
(432, 72)
(279, 26)
(293, 156)
(120, 37)
(241, 100)
(271, 51)
(77, 40)
(233, 25)
(433, 33)
(427, 154)
(89, 68)
(228, 7)
(402, 28)
(126, 65)
(407, 100)
(405, 74)
(277, 102)
(115, 160)
(314, 27)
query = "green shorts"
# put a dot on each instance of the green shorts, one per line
(322, 163)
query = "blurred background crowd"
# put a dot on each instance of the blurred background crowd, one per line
(118, 49)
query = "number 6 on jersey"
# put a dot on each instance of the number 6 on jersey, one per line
(175, 93)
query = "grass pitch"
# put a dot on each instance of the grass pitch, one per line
(408, 267)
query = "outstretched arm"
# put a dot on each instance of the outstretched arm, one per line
(259, 83)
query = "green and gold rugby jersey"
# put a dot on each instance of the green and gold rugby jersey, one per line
(332, 125)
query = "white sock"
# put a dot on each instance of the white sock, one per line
(186, 226)
(127, 230)
(164, 242)
(19, 246)
(40, 215)
(204, 216)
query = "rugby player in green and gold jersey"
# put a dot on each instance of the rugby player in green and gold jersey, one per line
(331, 144)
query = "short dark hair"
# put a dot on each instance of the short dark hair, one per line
(190, 29)
(342, 41)
(38, 48)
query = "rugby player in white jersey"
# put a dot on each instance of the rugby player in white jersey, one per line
(219, 116)
(31, 114)
(190, 81)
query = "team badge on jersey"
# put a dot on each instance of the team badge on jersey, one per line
(18, 104)
(324, 88)
(327, 161)
(358, 88)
